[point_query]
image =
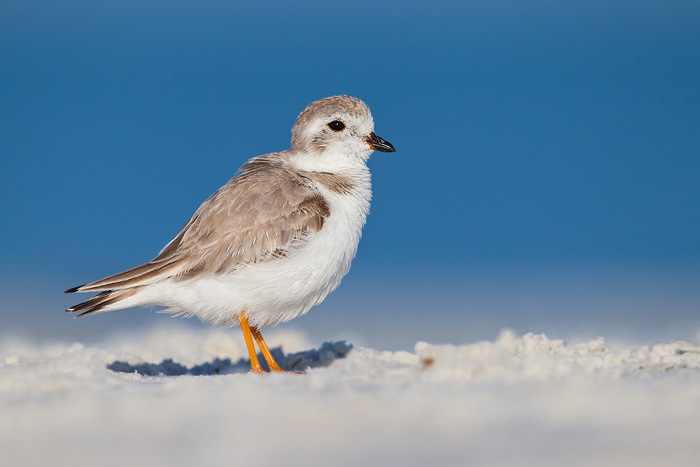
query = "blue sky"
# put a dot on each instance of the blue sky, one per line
(539, 144)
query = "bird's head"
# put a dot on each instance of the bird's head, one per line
(339, 128)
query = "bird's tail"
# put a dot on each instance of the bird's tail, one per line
(106, 301)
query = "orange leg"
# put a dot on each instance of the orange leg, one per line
(265, 350)
(267, 354)
(254, 363)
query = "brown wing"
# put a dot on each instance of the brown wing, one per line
(261, 214)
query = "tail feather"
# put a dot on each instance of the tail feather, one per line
(103, 300)
(94, 301)
(144, 273)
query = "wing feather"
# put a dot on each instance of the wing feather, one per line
(262, 214)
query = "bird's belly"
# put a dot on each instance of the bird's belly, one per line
(277, 290)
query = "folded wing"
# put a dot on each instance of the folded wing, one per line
(262, 214)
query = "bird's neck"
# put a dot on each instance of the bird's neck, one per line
(329, 161)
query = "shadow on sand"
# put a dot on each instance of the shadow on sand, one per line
(315, 358)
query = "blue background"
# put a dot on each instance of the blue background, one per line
(546, 174)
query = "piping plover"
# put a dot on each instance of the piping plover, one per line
(273, 241)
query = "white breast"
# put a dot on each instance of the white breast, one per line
(282, 289)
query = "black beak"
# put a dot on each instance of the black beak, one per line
(378, 144)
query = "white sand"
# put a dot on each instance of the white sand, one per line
(520, 400)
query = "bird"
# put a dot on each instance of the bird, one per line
(271, 243)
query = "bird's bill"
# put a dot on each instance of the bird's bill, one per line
(378, 144)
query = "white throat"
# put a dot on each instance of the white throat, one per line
(330, 161)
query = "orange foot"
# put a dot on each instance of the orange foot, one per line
(248, 334)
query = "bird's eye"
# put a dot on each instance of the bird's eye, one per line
(336, 125)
